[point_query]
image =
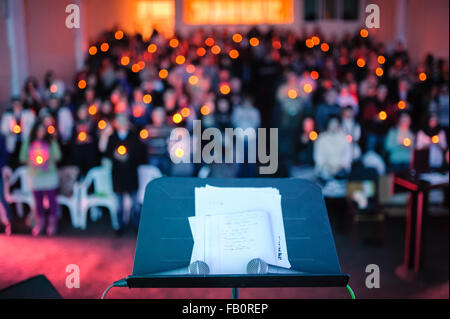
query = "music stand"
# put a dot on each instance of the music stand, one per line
(165, 241)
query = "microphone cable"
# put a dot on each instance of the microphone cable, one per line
(350, 290)
(118, 283)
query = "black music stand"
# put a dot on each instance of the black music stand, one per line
(165, 241)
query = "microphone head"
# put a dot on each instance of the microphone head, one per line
(257, 266)
(198, 268)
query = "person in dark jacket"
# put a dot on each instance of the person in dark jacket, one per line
(85, 154)
(126, 152)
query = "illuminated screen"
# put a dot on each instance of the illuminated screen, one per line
(238, 11)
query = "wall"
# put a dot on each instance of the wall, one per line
(428, 28)
(5, 70)
(50, 44)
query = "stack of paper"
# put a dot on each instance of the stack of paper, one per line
(232, 226)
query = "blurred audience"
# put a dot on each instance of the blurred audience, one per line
(331, 99)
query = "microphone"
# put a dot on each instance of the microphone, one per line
(196, 268)
(258, 266)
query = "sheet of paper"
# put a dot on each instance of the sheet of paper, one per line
(232, 240)
(216, 200)
(198, 250)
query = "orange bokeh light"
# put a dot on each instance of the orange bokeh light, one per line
(177, 118)
(379, 72)
(292, 93)
(163, 73)
(17, 129)
(361, 62)
(205, 110)
(307, 88)
(237, 38)
(152, 48)
(313, 135)
(141, 65)
(234, 54)
(135, 68)
(101, 124)
(325, 47)
(147, 99)
(407, 142)
(51, 129)
(180, 59)
(125, 60)
(435, 139)
(201, 51)
(309, 43)
(119, 35)
(82, 136)
(104, 47)
(185, 112)
(174, 43)
(93, 50)
(314, 75)
(364, 33)
(254, 42)
(215, 49)
(315, 40)
(82, 84)
(209, 42)
(422, 76)
(190, 69)
(92, 109)
(401, 105)
(225, 89)
(39, 160)
(382, 115)
(193, 80)
(121, 150)
(143, 134)
(381, 59)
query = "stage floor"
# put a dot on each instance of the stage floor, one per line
(104, 258)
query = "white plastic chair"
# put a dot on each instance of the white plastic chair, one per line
(103, 196)
(69, 192)
(146, 173)
(19, 196)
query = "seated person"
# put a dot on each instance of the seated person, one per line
(399, 143)
(306, 143)
(332, 152)
(433, 137)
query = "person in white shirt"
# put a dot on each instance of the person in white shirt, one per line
(332, 152)
(15, 126)
(352, 130)
(433, 137)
